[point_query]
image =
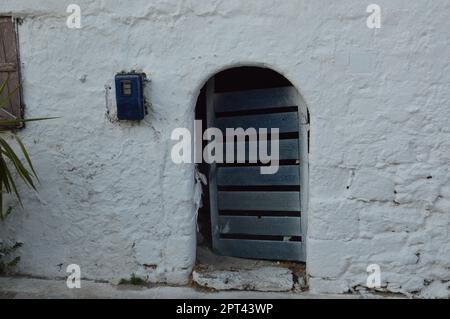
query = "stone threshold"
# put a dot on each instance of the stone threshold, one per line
(221, 273)
(32, 288)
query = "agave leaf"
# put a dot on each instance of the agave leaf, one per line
(14, 262)
(9, 122)
(8, 249)
(6, 214)
(23, 172)
(7, 179)
(25, 153)
(4, 175)
(1, 199)
(3, 85)
(11, 181)
(8, 97)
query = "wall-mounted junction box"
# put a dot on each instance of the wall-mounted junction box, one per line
(130, 96)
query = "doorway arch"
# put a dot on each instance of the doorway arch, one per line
(244, 214)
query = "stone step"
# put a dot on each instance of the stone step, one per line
(260, 279)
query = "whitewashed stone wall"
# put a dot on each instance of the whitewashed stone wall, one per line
(110, 198)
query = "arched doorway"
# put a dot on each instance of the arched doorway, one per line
(246, 213)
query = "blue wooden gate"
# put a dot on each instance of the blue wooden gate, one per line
(254, 215)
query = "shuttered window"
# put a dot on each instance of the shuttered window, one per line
(10, 70)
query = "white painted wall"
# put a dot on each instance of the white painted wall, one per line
(110, 198)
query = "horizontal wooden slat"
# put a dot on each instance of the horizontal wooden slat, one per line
(251, 176)
(287, 149)
(5, 19)
(253, 225)
(255, 99)
(285, 122)
(254, 201)
(7, 67)
(261, 249)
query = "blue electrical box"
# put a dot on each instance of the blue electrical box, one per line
(130, 96)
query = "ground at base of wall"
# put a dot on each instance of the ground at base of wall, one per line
(24, 288)
(228, 273)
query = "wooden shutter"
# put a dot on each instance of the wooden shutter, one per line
(9, 69)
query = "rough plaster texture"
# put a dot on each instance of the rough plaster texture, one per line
(110, 198)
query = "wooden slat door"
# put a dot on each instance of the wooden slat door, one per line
(254, 215)
(9, 70)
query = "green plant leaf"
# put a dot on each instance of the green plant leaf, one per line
(8, 156)
(25, 153)
(11, 182)
(10, 122)
(7, 250)
(6, 214)
(3, 174)
(1, 199)
(6, 99)
(23, 172)
(14, 262)
(3, 85)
